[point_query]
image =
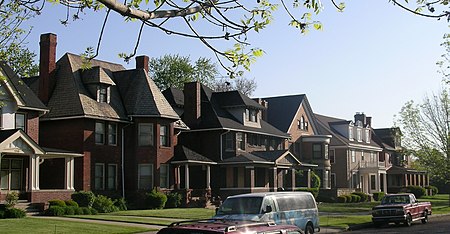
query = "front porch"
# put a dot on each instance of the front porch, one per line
(400, 177)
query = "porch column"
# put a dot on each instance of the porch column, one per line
(275, 178)
(208, 176)
(177, 177)
(252, 177)
(33, 173)
(309, 178)
(293, 178)
(186, 176)
(69, 177)
(385, 183)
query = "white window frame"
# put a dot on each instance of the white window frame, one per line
(146, 140)
(140, 166)
(367, 134)
(103, 93)
(353, 156)
(164, 135)
(359, 134)
(98, 132)
(109, 177)
(102, 176)
(24, 127)
(240, 140)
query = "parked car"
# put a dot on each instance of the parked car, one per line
(213, 226)
(295, 208)
(400, 208)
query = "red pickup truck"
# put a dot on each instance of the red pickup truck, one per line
(400, 208)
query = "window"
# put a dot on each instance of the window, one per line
(352, 152)
(317, 151)
(145, 132)
(145, 176)
(367, 135)
(302, 124)
(99, 177)
(240, 140)
(253, 116)
(102, 94)
(333, 180)
(332, 157)
(164, 135)
(362, 155)
(350, 133)
(373, 182)
(355, 180)
(372, 157)
(252, 139)
(112, 134)
(359, 134)
(164, 176)
(235, 177)
(112, 176)
(11, 174)
(326, 151)
(100, 133)
(229, 141)
(21, 121)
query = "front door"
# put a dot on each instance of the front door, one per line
(11, 174)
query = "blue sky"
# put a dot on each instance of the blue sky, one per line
(371, 58)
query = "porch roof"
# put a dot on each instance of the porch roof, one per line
(275, 158)
(395, 170)
(185, 155)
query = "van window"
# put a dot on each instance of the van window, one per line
(268, 201)
(295, 203)
(241, 205)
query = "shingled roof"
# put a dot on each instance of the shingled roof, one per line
(132, 92)
(23, 95)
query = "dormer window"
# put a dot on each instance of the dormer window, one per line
(251, 115)
(350, 133)
(367, 135)
(359, 134)
(103, 94)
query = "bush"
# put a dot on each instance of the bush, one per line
(364, 197)
(315, 180)
(11, 199)
(71, 203)
(156, 200)
(2, 214)
(348, 198)
(60, 203)
(173, 200)
(55, 211)
(355, 198)
(86, 211)
(84, 199)
(93, 211)
(434, 189)
(78, 210)
(121, 204)
(14, 213)
(104, 204)
(418, 191)
(69, 210)
(327, 199)
(342, 199)
(314, 191)
(377, 196)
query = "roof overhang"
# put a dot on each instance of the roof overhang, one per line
(20, 143)
(193, 162)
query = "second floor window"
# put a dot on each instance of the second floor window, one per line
(353, 155)
(317, 151)
(164, 135)
(251, 115)
(99, 133)
(112, 134)
(240, 140)
(229, 141)
(145, 134)
(102, 94)
(21, 121)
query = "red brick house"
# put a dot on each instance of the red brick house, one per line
(116, 118)
(230, 148)
(26, 166)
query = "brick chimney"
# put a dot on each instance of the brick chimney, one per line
(47, 65)
(192, 103)
(265, 104)
(360, 117)
(369, 121)
(142, 62)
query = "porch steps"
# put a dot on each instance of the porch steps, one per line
(30, 209)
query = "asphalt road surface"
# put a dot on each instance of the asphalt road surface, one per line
(439, 224)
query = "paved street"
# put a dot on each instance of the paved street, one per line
(439, 224)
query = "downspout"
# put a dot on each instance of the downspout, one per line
(221, 144)
(123, 157)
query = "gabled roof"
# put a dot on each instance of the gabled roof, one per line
(186, 155)
(281, 111)
(132, 92)
(275, 157)
(327, 127)
(232, 99)
(23, 95)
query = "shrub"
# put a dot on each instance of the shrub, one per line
(377, 196)
(55, 211)
(78, 210)
(364, 197)
(84, 199)
(342, 199)
(14, 213)
(348, 198)
(2, 214)
(71, 203)
(418, 191)
(60, 203)
(314, 191)
(173, 200)
(86, 211)
(156, 200)
(11, 199)
(327, 199)
(104, 204)
(69, 210)
(121, 204)
(355, 198)
(315, 180)
(434, 189)
(93, 211)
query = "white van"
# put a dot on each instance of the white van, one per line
(297, 208)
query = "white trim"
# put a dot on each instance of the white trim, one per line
(193, 161)
(236, 130)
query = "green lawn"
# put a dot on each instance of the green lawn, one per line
(347, 207)
(344, 221)
(34, 225)
(439, 203)
(177, 213)
(128, 219)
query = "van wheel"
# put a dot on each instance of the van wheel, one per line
(309, 229)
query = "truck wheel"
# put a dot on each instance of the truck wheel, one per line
(408, 220)
(425, 217)
(309, 229)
